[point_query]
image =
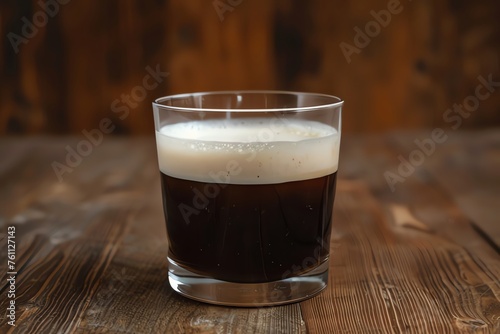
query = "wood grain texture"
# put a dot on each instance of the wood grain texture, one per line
(92, 248)
(67, 76)
(91, 254)
(406, 261)
(469, 173)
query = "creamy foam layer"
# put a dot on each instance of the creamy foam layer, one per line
(248, 151)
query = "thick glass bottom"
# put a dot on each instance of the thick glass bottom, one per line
(213, 291)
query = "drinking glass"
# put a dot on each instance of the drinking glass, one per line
(248, 181)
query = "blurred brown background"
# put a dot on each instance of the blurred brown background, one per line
(67, 64)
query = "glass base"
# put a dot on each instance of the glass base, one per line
(213, 291)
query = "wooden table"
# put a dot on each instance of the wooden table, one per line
(91, 250)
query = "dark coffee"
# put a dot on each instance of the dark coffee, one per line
(249, 233)
(248, 200)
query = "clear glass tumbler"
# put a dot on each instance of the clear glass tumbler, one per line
(248, 181)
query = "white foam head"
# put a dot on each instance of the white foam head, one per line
(248, 151)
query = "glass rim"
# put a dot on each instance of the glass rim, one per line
(336, 101)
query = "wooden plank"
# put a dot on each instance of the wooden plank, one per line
(91, 253)
(92, 250)
(64, 239)
(467, 165)
(403, 261)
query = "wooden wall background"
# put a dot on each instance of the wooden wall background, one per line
(65, 78)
